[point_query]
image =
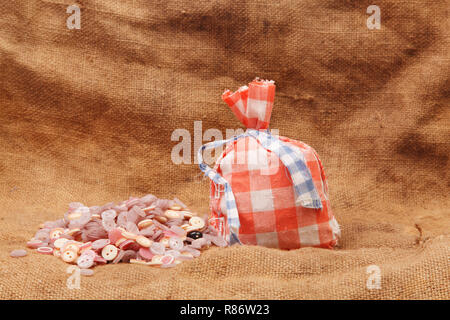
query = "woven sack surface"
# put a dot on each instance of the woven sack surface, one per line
(87, 115)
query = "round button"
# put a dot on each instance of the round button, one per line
(171, 214)
(72, 232)
(167, 259)
(59, 243)
(195, 235)
(69, 255)
(70, 245)
(85, 261)
(157, 259)
(34, 244)
(18, 253)
(157, 248)
(143, 241)
(108, 225)
(109, 214)
(165, 242)
(109, 252)
(176, 243)
(173, 253)
(129, 235)
(196, 223)
(146, 253)
(100, 244)
(55, 233)
(119, 242)
(145, 223)
(74, 216)
(90, 253)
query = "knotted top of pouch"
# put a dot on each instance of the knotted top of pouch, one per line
(252, 104)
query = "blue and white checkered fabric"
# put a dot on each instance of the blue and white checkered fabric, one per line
(293, 160)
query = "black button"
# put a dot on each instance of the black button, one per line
(195, 235)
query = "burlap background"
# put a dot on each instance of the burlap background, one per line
(87, 115)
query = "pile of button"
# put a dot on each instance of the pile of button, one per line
(147, 231)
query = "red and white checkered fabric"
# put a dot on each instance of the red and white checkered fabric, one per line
(252, 105)
(262, 186)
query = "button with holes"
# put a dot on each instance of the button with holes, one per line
(109, 252)
(69, 255)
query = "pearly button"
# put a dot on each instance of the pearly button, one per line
(161, 219)
(100, 244)
(109, 214)
(69, 255)
(157, 248)
(176, 243)
(90, 253)
(196, 223)
(108, 225)
(59, 243)
(119, 241)
(173, 253)
(145, 223)
(34, 244)
(85, 261)
(85, 246)
(74, 216)
(129, 235)
(45, 250)
(126, 244)
(171, 214)
(109, 252)
(165, 241)
(144, 241)
(187, 214)
(18, 253)
(56, 233)
(167, 259)
(72, 232)
(157, 259)
(70, 245)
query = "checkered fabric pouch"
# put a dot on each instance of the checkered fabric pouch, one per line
(270, 190)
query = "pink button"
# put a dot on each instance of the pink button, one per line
(55, 233)
(100, 260)
(146, 253)
(129, 254)
(109, 214)
(90, 253)
(45, 250)
(34, 244)
(18, 253)
(157, 248)
(176, 243)
(167, 259)
(108, 225)
(126, 244)
(114, 235)
(85, 261)
(100, 244)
